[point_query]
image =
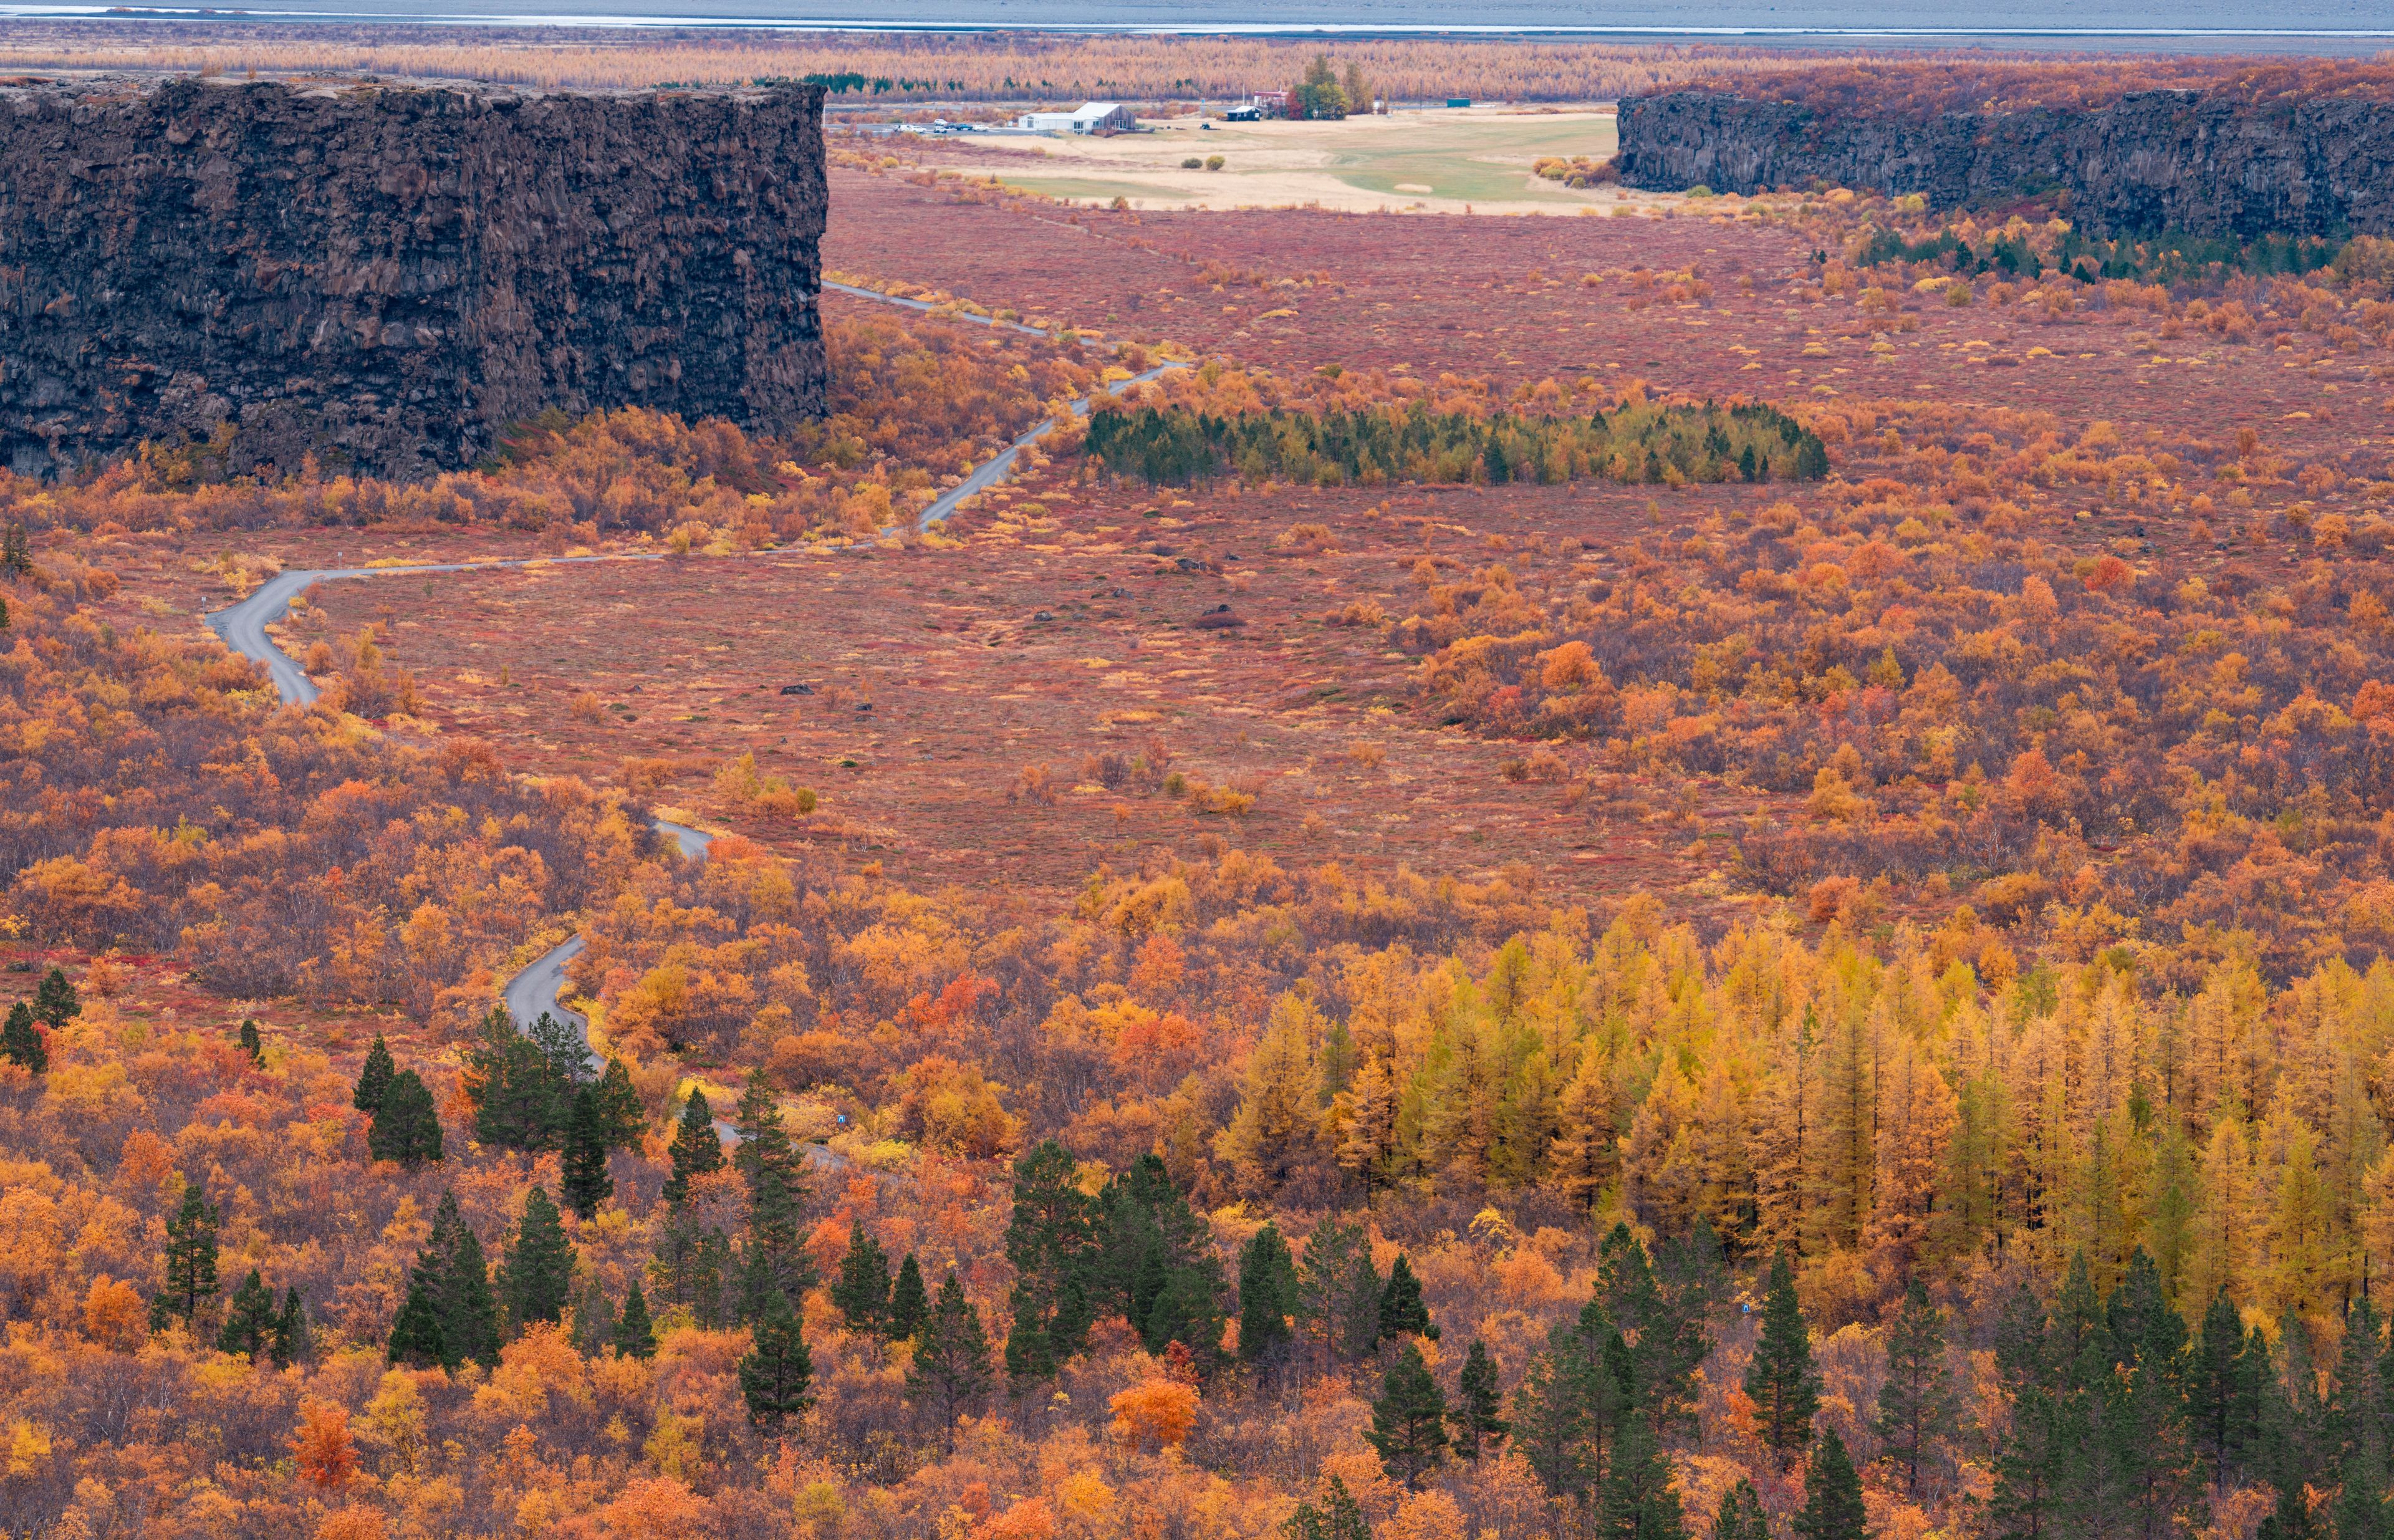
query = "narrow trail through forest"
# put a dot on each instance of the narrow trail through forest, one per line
(534, 990)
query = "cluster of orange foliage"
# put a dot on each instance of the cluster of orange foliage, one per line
(910, 404)
(158, 800)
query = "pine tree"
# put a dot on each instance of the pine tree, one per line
(951, 1357)
(1741, 1514)
(1052, 1240)
(55, 1002)
(777, 1371)
(2223, 1392)
(692, 1260)
(1266, 1295)
(518, 1102)
(1340, 1519)
(1665, 1326)
(1917, 1399)
(1478, 1413)
(697, 1148)
(2140, 1398)
(190, 1256)
(1780, 1377)
(633, 1336)
(249, 1318)
(764, 1143)
(621, 1117)
(862, 1291)
(406, 1127)
(449, 1314)
(251, 1043)
(1639, 1502)
(1833, 1494)
(773, 1259)
(1401, 1312)
(585, 1181)
(1409, 1419)
(373, 1079)
(540, 1273)
(1030, 1357)
(1338, 1292)
(594, 1319)
(909, 1306)
(294, 1341)
(20, 1041)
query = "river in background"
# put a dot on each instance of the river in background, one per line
(2284, 26)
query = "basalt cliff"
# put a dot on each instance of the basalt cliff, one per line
(386, 278)
(2205, 162)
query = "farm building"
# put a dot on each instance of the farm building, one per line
(1095, 117)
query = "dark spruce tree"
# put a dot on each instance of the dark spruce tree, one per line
(1916, 1401)
(776, 1373)
(1267, 1296)
(584, 1179)
(634, 1335)
(249, 1318)
(621, 1117)
(406, 1126)
(1833, 1494)
(697, 1149)
(1665, 1326)
(693, 1261)
(251, 1043)
(20, 1041)
(373, 1079)
(1479, 1409)
(951, 1362)
(1741, 1516)
(764, 1143)
(773, 1259)
(1409, 1419)
(1340, 1517)
(55, 1002)
(539, 1275)
(1402, 1315)
(191, 1258)
(449, 1314)
(862, 1290)
(1052, 1240)
(1637, 1500)
(518, 1103)
(1029, 1358)
(1780, 1377)
(294, 1341)
(909, 1306)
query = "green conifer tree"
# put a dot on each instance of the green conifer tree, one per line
(909, 1306)
(1916, 1400)
(1030, 1357)
(621, 1117)
(1403, 1313)
(773, 1257)
(1052, 1240)
(249, 1318)
(373, 1078)
(697, 1148)
(1780, 1377)
(776, 1372)
(518, 1103)
(191, 1256)
(449, 1314)
(1266, 1295)
(406, 1126)
(584, 1179)
(1409, 1419)
(1479, 1409)
(951, 1362)
(55, 1002)
(1639, 1502)
(252, 1043)
(634, 1337)
(1741, 1516)
(1340, 1517)
(764, 1143)
(862, 1290)
(540, 1272)
(20, 1041)
(294, 1341)
(1833, 1494)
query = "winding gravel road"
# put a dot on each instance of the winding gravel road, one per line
(243, 628)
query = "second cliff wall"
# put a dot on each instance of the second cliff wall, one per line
(2202, 163)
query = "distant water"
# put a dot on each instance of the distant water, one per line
(2301, 26)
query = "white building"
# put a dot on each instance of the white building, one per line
(1095, 117)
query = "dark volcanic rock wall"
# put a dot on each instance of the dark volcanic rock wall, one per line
(387, 278)
(2156, 160)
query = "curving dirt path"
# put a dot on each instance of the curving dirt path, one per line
(534, 990)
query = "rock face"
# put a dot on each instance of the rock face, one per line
(2204, 162)
(387, 278)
